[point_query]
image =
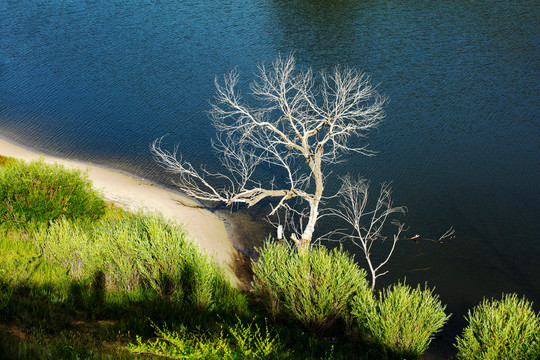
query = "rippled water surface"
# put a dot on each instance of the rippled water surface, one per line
(99, 80)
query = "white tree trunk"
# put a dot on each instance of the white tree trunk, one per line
(307, 235)
(314, 201)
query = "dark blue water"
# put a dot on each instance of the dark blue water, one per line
(99, 80)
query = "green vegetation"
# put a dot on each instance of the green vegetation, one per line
(404, 320)
(109, 284)
(238, 342)
(39, 193)
(501, 329)
(314, 287)
(137, 251)
(98, 287)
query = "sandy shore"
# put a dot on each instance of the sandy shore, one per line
(131, 194)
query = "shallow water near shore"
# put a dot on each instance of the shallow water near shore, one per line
(99, 80)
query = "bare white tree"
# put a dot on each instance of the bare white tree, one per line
(300, 122)
(368, 221)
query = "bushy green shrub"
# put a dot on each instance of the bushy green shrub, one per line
(315, 287)
(39, 193)
(136, 251)
(404, 320)
(505, 329)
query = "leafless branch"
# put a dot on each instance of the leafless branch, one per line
(367, 224)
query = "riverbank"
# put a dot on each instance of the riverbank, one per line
(132, 194)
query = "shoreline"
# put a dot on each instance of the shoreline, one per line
(134, 193)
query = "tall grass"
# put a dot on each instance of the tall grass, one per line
(316, 287)
(38, 193)
(143, 250)
(404, 320)
(70, 245)
(501, 329)
(21, 261)
(139, 251)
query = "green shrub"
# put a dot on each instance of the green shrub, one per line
(238, 342)
(202, 279)
(39, 193)
(505, 329)
(404, 320)
(136, 251)
(70, 244)
(315, 287)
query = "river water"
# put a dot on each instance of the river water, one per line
(98, 80)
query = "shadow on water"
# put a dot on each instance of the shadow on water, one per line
(248, 230)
